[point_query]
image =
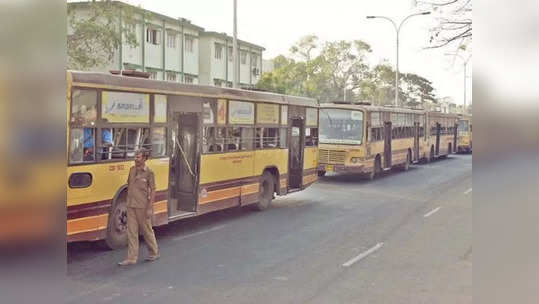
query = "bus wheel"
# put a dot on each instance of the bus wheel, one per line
(267, 188)
(376, 169)
(321, 173)
(117, 224)
(431, 155)
(406, 164)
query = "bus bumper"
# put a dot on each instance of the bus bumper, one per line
(341, 168)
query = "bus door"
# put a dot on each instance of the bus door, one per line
(437, 147)
(387, 144)
(455, 137)
(295, 154)
(184, 168)
(416, 141)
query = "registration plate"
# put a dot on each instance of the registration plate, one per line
(330, 168)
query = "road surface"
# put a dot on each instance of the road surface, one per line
(403, 238)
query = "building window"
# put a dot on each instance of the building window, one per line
(243, 55)
(153, 36)
(171, 76)
(218, 51)
(230, 54)
(171, 40)
(254, 58)
(153, 74)
(189, 79)
(189, 42)
(217, 82)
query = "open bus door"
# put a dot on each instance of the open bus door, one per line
(416, 142)
(185, 157)
(387, 144)
(455, 137)
(295, 154)
(437, 147)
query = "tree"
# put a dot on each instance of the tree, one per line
(417, 89)
(93, 38)
(454, 23)
(324, 76)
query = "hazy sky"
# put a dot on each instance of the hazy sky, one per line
(277, 24)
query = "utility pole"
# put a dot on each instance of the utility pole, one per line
(235, 46)
(397, 30)
(465, 64)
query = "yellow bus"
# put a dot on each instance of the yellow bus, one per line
(368, 139)
(442, 139)
(211, 148)
(464, 143)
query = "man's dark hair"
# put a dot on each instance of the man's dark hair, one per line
(144, 152)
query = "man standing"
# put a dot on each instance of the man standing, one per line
(140, 199)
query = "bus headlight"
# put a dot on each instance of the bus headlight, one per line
(355, 160)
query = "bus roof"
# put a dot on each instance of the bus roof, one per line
(369, 108)
(117, 82)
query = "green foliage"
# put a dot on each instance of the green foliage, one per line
(95, 32)
(339, 65)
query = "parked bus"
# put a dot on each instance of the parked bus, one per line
(464, 141)
(368, 139)
(442, 134)
(211, 148)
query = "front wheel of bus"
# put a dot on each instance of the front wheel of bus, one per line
(117, 224)
(406, 164)
(266, 191)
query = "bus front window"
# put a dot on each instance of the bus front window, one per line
(463, 126)
(338, 126)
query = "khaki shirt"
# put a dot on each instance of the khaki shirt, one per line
(139, 185)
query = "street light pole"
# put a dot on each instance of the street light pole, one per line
(235, 46)
(397, 30)
(465, 61)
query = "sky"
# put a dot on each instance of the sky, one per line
(278, 24)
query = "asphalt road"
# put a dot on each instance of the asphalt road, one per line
(403, 238)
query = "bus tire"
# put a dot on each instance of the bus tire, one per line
(376, 169)
(321, 173)
(117, 224)
(267, 188)
(431, 155)
(406, 164)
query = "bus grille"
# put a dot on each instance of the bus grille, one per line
(331, 157)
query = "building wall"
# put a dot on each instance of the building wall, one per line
(204, 60)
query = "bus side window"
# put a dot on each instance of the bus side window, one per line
(311, 137)
(82, 145)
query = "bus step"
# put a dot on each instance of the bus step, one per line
(292, 190)
(180, 215)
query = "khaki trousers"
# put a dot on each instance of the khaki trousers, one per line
(136, 219)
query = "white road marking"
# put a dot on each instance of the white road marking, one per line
(432, 212)
(198, 233)
(467, 191)
(363, 255)
(281, 278)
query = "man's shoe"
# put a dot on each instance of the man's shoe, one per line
(126, 263)
(152, 258)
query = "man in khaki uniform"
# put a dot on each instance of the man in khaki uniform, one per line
(140, 199)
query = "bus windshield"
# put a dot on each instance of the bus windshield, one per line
(339, 126)
(463, 126)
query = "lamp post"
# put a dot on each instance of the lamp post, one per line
(397, 30)
(465, 61)
(235, 47)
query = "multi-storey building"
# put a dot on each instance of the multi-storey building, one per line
(217, 65)
(174, 49)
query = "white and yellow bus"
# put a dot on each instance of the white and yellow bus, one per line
(211, 148)
(464, 141)
(361, 138)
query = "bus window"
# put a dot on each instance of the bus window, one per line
(158, 142)
(240, 138)
(267, 137)
(83, 107)
(311, 137)
(82, 145)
